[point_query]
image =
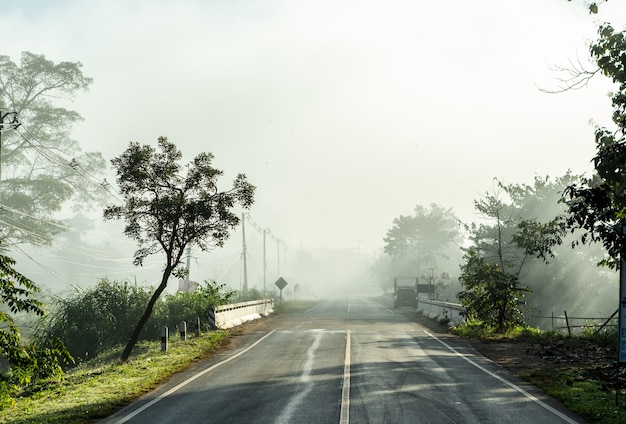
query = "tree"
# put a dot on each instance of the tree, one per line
(492, 295)
(423, 240)
(42, 166)
(597, 205)
(491, 268)
(17, 294)
(166, 211)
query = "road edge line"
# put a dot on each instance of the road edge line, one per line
(189, 380)
(508, 383)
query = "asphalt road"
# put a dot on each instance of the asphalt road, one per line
(342, 361)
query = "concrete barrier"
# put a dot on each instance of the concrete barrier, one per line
(227, 316)
(435, 309)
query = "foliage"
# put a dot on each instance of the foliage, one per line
(606, 337)
(597, 205)
(492, 295)
(98, 388)
(27, 361)
(252, 294)
(187, 306)
(419, 242)
(95, 319)
(521, 230)
(36, 180)
(166, 211)
(101, 318)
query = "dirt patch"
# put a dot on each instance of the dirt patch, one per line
(523, 357)
(591, 362)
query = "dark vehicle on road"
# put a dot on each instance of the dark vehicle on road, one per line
(404, 296)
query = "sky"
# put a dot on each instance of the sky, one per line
(344, 114)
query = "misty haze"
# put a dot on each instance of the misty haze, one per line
(160, 160)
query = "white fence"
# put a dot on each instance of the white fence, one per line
(441, 310)
(227, 316)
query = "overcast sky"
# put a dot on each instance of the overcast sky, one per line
(345, 114)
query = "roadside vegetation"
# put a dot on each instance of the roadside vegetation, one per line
(97, 388)
(579, 371)
(91, 324)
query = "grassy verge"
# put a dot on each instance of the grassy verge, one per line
(97, 388)
(587, 387)
(588, 398)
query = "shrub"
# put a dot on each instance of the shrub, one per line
(105, 315)
(95, 319)
(187, 306)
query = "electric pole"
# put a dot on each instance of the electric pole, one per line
(245, 265)
(188, 268)
(264, 263)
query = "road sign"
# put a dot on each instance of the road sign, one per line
(280, 283)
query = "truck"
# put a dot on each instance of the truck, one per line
(404, 295)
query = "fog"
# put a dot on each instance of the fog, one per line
(345, 115)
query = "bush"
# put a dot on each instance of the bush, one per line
(95, 319)
(606, 337)
(6, 395)
(187, 306)
(105, 315)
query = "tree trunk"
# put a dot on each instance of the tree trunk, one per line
(146, 315)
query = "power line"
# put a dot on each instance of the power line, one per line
(57, 158)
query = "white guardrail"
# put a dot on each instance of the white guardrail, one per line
(227, 316)
(441, 310)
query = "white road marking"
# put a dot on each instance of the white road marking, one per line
(312, 308)
(189, 380)
(286, 416)
(508, 383)
(344, 418)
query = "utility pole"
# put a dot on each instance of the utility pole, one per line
(188, 268)
(245, 265)
(278, 257)
(264, 263)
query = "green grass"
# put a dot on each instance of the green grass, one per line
(576, 387)
(97, 388)
(588, 398)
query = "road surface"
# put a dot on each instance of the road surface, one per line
(346, 361)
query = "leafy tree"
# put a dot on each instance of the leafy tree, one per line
(166, 211)
(27, 361)
(490, 272)
(520, 223)
(491, 295)
(422, 241)
(597, 205)
(37, 179)
(560, 274)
